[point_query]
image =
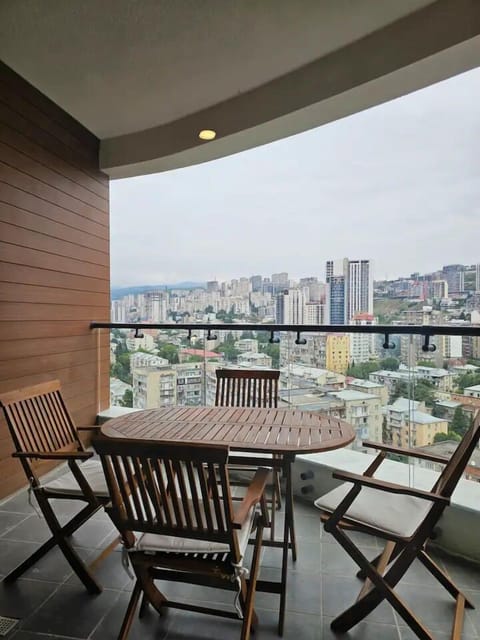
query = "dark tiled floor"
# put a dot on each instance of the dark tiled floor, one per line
(52, 605)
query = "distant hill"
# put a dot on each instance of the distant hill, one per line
(119, 292)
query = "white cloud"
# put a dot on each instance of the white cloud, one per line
(398, 183)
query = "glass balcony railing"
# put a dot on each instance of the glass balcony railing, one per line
(400, 390)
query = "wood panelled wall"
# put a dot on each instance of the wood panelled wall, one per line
(54, 258)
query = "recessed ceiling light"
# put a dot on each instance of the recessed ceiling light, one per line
(207, 134)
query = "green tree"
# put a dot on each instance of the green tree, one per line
(460, 422)
(390, 364)
(438, 411)
(127, 400)
(169, 352)
(363, 370)
(121, 368)
(400, 390)
(467, 380)
(272, 350)
(421, 391)
(227, 347)
(424, 363)
(194, 359)
(442, 437)
(209, 309)
(424, 391)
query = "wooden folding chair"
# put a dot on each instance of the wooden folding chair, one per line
(403, 516)
(42, 429)
(176, 498)
(254, 388)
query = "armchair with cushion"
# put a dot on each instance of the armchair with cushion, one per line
(173, 508)
(405, 518)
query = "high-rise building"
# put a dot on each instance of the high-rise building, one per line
(290, 306)
(336, 299)
(315, 313)
(212, 286)
(477, 277)
(156, 305)
(362, 345)
(454, 274)
(439, 289)
(359, 289)
(280, 281)
(256, 282)
(350, 289)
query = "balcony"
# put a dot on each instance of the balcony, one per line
(57, 159)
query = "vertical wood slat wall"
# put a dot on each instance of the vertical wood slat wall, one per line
(54, 258)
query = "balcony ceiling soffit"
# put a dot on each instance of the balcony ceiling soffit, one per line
(146, 76)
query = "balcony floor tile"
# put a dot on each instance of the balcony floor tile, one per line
(52, 604)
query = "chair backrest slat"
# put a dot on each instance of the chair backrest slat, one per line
(168, 489)
(247, 388)
(38, 420)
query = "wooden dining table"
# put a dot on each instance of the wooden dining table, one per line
(265, 437)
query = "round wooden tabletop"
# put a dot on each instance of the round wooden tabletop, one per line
(280, 431)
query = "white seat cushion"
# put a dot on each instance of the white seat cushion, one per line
(93, 472)
(392, 513)
(239, 472)
(174, 544)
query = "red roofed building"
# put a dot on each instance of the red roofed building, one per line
(185, 354)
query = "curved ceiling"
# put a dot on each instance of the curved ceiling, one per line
(146, 76)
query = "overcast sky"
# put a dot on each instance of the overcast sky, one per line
(399, 184)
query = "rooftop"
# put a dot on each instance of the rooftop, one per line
(349, 394)
(425, 418)
(368, 384)
(475, 387)
(448, 404)
(404, 404)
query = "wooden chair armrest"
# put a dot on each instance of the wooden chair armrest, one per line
(413, 453)
(390, 487)
(253, 495)
(54, 455)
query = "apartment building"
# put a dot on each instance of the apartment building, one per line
(290, 306)
(189, 379)
(310, 353)
(472, 392)
(367, 386)
(297, 376)
(254, 360)
(410, 426)
(140, 359)
(362, 345)
(337, 352)
(247, 345)
(153, 388)
(454, 274)
(146, 342)
(442, 379)
(364, 412)
(316, 313)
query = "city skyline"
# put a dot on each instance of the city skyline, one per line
(321, 276)
(398, 183)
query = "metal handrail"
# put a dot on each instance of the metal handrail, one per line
(383, 329)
